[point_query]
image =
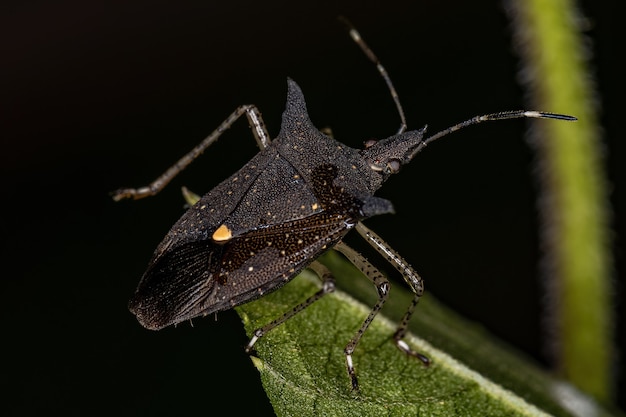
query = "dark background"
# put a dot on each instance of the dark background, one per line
(102, 94)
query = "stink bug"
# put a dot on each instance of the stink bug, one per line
(297, 198)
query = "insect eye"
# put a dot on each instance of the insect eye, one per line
(369, 143)
(393, 166)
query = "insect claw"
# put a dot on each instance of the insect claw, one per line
(404, 347)
(352, 372)
(250, 346)
(355, 383)
(425, 360)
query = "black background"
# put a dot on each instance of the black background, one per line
(102, 94)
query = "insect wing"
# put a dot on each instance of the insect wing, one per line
(174, 286)
(265, 259)
(202, 277)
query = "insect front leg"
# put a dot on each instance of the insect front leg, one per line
(328, 286)
(258, 130)
(412, 278)
(382, 286)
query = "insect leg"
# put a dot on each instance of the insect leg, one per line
(328, 286)
(258, 130)
(382, 286)
(411, 277)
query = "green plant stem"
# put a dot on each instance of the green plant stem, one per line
(573, 203)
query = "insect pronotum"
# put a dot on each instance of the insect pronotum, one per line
(296, 199)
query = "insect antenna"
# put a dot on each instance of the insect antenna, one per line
(514, 114)
(356, 37)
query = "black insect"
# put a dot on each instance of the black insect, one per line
(297, 198)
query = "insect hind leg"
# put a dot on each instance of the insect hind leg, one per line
(258, 130)
(328, 286)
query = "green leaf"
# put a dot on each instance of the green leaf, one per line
(303, 368)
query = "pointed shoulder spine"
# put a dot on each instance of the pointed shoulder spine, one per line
(295, 115)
